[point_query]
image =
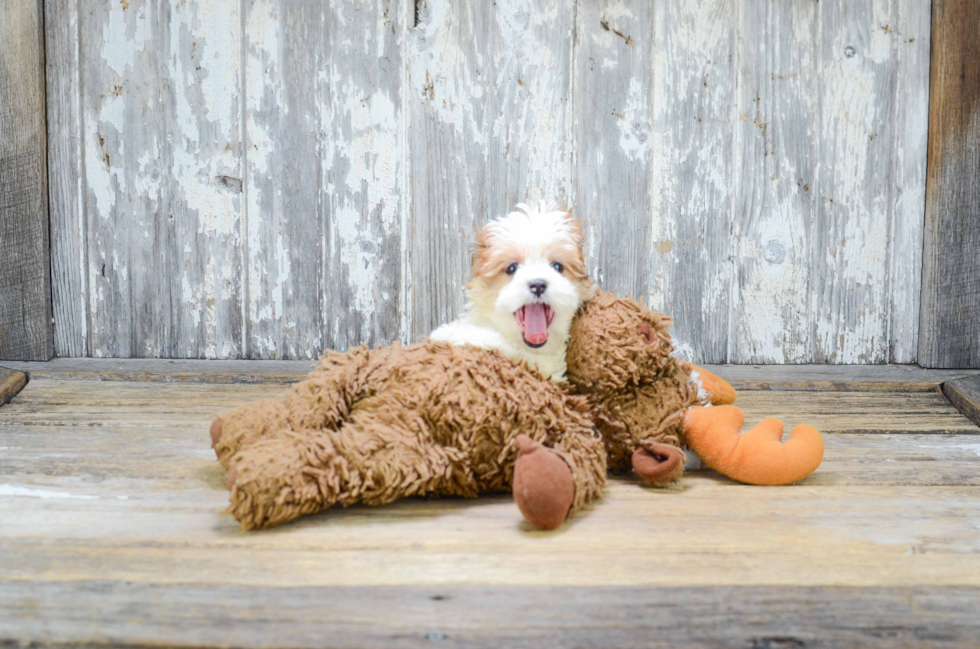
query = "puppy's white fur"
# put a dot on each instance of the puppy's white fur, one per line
(534, 238)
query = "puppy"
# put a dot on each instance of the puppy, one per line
(528, 280)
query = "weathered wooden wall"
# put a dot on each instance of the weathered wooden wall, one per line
(25, 280)
(271, 178)
(950, 315)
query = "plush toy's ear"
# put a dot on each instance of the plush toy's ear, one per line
(646, 332)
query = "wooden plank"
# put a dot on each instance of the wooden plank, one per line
(284, 220)
(869, 182)
(202, 106)
(300, 222)
(66, 175)
(11, 383)
(871, 438)
(487, 616)
(771, 315)
(64, 402)
(826, 255)
(326, 179)
(174, 446)
(709, 533)
(130, 235)
(654, 89)
(490, 127)
(964, 393)
(150, 369)
(838, 378)
(950, 314)
(162, 161)
(112, 489)
(25, 279)
(366, 163)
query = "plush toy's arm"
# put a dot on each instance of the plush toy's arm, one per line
(757, 456)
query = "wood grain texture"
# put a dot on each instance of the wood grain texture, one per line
(654, 90)
(168, 248)
(11, 383)
(162, 163)
(828, 221)
(111, 530)
(490, 127)
(478, 616)
(754, 168)
(66, 175)
(326, 187)
(964, 393)
(792, 378)
(950, 315)
(25, 279)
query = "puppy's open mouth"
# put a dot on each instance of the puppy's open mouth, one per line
(534, 320)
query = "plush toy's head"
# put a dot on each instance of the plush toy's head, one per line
(619, 355)
(616, 344)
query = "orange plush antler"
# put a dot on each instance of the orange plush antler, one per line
(720, 391)
(757, 456)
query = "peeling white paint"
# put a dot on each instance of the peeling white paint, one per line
(124, 35)
(44, 494)
(502, 98)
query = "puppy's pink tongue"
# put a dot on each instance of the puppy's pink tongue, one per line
(535, 324)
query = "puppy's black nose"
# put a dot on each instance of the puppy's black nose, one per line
(537, 286)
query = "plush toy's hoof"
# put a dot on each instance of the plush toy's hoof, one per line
(215, 432)
(658, 464)
(757, 456)
(543, 485)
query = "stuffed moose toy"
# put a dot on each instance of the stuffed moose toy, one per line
(374, 425)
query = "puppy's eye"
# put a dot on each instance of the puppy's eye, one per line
(558, 267)
(512, 269)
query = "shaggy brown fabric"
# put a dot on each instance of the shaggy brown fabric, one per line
(619, 356)
(372, 426)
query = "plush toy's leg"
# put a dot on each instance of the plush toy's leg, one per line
(293, 473)
(550, 484)
(321, 401)
(756, 456)
(721, 391)
(232, 430)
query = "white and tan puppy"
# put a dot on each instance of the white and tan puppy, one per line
(528, 280)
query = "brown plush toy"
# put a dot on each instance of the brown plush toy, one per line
(648, 404)
(372, 426)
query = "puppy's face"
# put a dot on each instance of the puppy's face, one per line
(529, 275)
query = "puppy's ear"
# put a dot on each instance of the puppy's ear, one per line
(479, 250)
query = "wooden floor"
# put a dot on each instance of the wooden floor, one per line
(112, 532)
